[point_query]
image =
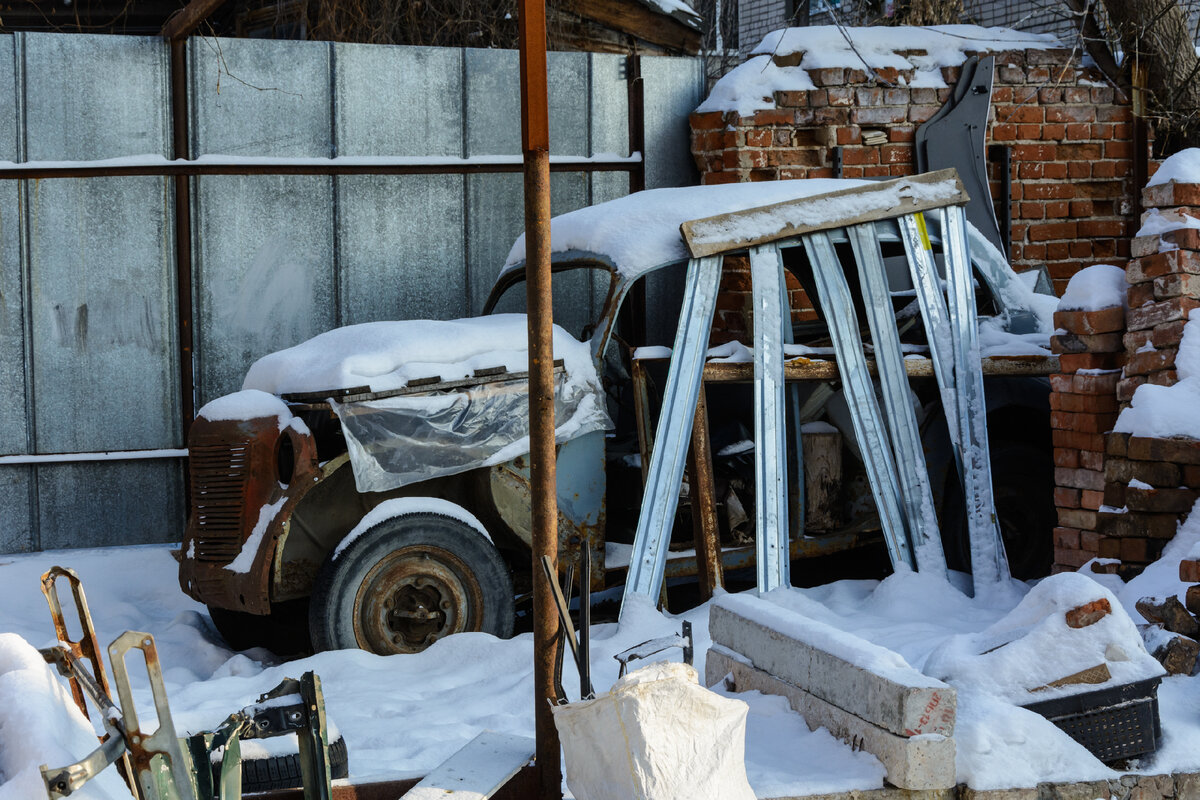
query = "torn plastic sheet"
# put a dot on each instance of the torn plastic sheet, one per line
(411, 438)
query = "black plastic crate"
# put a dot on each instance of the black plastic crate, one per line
(1114, 724)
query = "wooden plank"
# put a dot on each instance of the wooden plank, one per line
(704, 504)
(719, 234)
(478, 770)
(637, 20)
(810, 369)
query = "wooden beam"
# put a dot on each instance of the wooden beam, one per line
(637, 20)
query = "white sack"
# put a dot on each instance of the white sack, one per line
(656, 735)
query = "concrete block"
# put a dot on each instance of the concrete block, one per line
(919, 763)
(903, 701)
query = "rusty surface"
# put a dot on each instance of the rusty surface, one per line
(234, 475)
(704, 504)
(535, 141)
(641, 413)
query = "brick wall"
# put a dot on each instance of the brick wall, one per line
(1072, 198)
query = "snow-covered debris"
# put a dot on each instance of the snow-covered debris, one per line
(679, 9)
(249, 404)
(387, 355)
(1023, 657)
(1157, 222)
(925, 50)
(1181, 167)
(1165, 411)
(1095, 287)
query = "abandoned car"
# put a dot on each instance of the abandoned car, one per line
(368, 488)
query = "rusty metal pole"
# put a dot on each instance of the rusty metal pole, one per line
(535, 139)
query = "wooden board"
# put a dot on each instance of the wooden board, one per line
(718, 234)
(478, 770)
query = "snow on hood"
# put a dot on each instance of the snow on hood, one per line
(640, 232)
(387, 355)
(925, 50)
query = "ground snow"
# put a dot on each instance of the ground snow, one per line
(751, 86)
(1095, 287)
(469, 682)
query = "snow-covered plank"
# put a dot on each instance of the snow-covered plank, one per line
(860, 204)
(478, 770)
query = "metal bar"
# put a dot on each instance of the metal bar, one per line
(75, 458)
(585, 621)
(661, 497)
(183, 220)
(770, 426)
(154, 782)
(989, 565)
(872, 438)
(705, 532)
(315, 166)
(314, 741)
(915, 492)
(535, 147)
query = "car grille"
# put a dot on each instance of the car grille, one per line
(219, 477)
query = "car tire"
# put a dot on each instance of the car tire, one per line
(283, 771)
(407, 582)
(284, 631)
(1022, 487)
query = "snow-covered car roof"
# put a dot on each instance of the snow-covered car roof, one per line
(639, 233)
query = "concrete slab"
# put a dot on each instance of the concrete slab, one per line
(922, 762)
(823, 661)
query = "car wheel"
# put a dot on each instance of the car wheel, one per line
(283, 771)
(407, 582)
(1022, 487)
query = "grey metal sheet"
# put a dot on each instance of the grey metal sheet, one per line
(397, 101)
(105, 374)
(110, 502)
(492, 103)
(495, 218)
(254, 97)
(400, 246)
(264, 278)
(673, 89)
(18, 533)
(570, 127)
(103, 323)
(14, 423)
(91, 96)
(610, 105)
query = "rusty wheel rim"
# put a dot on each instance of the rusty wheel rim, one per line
(413, 597)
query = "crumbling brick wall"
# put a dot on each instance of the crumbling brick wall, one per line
(1070, 136)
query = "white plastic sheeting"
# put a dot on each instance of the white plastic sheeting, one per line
(656, 735)
(411, 438)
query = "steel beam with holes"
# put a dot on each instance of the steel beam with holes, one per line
(869, 429)
(771, 528)
(989, 565)
(916, 496)
(665, 474)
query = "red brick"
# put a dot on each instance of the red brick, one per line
(1095, 343)
(1077, 440)
(1091, 499)
(1091, 459)
(707, 120)
(1148, 361)
(1074, 362)
(1127, 386)
(1140, 294)
(1071, 558)
(1176, 451)
(1079, 479)
(774, 116)
(1077, 518)
(1088, 613)
(1066, 458)
(880, 115)
(1158, 265)
(1105, 320)
(1066, 537)
(1095, 384)
(1189, 570)
(1158, 313)
(1169, 286)
(1143, 550)
(1179, 501)
(1168, 333)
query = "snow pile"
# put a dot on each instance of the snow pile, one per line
(1182, 167)
(1164, 411)
(40, 724)
(1095, 287)
(387, 355)
(639, 232)
(251, 404)
(925, 50)
(1156, 222)
(1021, 655)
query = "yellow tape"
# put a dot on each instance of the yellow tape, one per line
(924, 231)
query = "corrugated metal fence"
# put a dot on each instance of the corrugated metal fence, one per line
(89, 341)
